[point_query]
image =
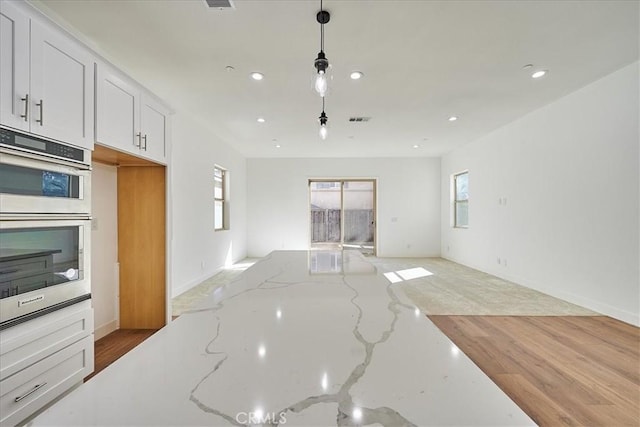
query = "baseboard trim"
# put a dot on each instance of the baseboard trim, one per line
(106, 329)
(192, 283)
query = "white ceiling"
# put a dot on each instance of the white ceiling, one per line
(423, 61)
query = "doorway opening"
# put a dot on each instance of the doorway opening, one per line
(342, 214)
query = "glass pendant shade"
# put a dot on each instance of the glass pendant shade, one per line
(321, 83)
(323, 119)
(323, 132)
(321, 65)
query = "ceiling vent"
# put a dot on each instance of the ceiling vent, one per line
(221, 4)
(359, 119)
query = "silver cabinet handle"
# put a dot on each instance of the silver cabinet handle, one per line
(33, 390)
(9, 271)
(139, 136)
(145, 142)
(26, 107)
(41, 105)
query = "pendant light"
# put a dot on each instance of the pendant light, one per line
(321, 63)
(323, 119)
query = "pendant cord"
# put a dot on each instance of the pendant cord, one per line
(321, 31)
(323, 104)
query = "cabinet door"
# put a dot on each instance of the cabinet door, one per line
(153, 124)
(14, 67)
(117, 111)
(62, 81)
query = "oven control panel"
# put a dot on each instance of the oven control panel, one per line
(32, 143)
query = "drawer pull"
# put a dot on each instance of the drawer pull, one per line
(33, 390)
(9, 271)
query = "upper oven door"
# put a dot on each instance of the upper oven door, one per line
(32, 184)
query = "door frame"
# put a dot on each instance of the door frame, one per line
(342, 180)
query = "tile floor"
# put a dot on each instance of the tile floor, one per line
(451, 289)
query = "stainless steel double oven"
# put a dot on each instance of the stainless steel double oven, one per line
(45, 226)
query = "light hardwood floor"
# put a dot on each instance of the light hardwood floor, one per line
(562, 371)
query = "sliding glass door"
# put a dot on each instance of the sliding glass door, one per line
(342, 214)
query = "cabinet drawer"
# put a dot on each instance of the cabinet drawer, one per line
(26, 343)
(27, 391)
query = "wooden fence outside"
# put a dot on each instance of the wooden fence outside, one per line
(358, 225)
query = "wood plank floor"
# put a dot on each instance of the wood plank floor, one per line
(562, 371)
(115, 345)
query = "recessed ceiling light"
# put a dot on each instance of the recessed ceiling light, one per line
(257, 76)
(356, 75)
(416, 146)
(261, 120)
(277, 145)
(539, 74)
(453, 118)
(229, 68)
(526, 67)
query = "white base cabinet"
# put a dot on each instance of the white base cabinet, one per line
(43, 358)
(127, 118)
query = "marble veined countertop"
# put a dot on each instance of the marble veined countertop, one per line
(299, 339)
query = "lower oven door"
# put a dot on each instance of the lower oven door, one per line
(44, 265)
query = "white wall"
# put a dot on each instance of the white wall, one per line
(197, 250)
(408, 197)
(104, 248)
(569, 174)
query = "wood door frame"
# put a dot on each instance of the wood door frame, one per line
(112, 157)
(374, 181)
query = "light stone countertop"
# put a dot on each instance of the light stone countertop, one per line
(300, 338)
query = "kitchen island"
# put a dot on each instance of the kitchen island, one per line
(300, 338)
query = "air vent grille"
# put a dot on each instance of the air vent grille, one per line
(221, 4)
(359, 119)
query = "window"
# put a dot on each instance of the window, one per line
(320, 185)
(461, 200)
(219, 198)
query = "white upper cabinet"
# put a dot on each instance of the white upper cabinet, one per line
(117, 107)
(61, 87)
(47, 80)
(153, 118)
(128, 119)
(14, 67)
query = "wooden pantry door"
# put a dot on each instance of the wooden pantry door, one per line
(141, 246)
